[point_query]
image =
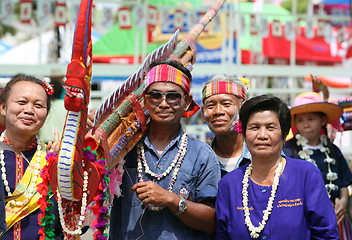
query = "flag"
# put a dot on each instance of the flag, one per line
(191, 19)
(321, 28)
(60, 14)
(108, 18)
(309, 30)
(152, 17)
(26, 11)
(164, 19)
(139, 16)
(74, 11)
(124, 17)
(253, 26)
(243, 25)
(216, 23)
(263, 27)
(341, 34)
(276, 28)
(178, 19)
(289, 30)
(43, 12)
(7, 11)
(328, 32)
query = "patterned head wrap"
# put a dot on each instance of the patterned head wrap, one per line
(167, 73)
(227, 87)
(170, 74)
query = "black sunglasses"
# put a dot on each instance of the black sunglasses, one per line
(172, 98)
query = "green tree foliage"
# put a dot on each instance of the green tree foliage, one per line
(302, 5)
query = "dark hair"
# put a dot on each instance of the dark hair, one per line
(58, 88)
(173, 63)
(22, 78)
(266, 103)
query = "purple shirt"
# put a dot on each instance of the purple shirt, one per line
(301, 210)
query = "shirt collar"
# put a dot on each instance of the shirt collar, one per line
(176, 140)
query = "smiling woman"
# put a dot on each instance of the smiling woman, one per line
(25, 105)
(280, 195)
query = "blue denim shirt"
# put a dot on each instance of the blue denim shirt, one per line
(197, 179)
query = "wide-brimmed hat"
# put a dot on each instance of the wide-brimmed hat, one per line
(312, 102)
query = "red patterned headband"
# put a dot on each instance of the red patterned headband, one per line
(167, 73)
(48, 88)
(219, 87)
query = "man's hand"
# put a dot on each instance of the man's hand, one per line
(151, 193)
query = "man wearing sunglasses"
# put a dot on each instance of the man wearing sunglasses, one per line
(223, 96)
(170, 183)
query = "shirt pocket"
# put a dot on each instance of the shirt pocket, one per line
(185, 186)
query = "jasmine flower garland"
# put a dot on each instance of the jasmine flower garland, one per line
(255, 231)
(175, 163)
(305, 154)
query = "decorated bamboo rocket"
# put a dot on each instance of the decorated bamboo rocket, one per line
(184, 52)
(134, 81)
(95, 157)
(71, 172)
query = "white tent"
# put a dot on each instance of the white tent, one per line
(39, 50)
(34, 51)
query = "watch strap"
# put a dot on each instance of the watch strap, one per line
(180, 208)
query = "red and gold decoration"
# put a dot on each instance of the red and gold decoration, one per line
(88, 168)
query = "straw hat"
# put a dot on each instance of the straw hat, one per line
(312, 102)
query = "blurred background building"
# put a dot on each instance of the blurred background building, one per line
(275, 44)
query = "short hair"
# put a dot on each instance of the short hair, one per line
(22, 78)
(229, 78)
(174, 64)
(263, 103)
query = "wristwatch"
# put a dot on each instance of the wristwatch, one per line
(182, 206)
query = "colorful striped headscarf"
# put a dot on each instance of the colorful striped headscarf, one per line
(219, 87)
(170, 74)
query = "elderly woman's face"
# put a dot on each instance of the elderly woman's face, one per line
(263, 136)
(25, 110)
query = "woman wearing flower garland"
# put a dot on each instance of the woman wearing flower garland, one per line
(25, 106)
(273, 197)
(310, 115)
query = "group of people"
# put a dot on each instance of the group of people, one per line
(247, 184)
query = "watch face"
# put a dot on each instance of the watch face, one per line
(183, 205)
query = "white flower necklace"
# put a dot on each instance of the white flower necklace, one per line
(175, 163)
(255, 231)
(83, 208)
(32, 187)
(305, 154)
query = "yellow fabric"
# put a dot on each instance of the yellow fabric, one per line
(15, 213)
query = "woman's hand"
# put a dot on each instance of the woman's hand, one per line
(341, 205)
(54, 146)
